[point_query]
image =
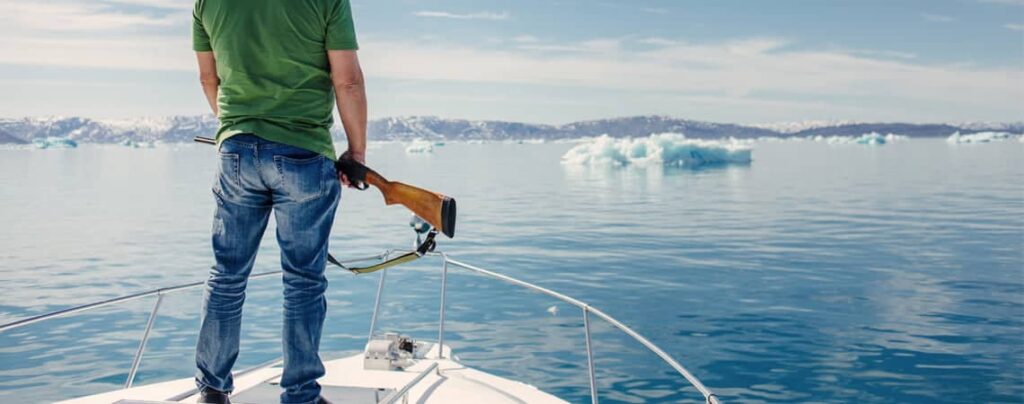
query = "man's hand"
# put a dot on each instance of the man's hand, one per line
(352, 155)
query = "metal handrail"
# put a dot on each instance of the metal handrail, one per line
(139, 295)
(159, 293)
(393, 397)
(709, 396)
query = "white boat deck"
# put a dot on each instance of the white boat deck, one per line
(347, 382)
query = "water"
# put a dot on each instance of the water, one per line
(826, 273)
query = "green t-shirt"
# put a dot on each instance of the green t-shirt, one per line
(275, 79)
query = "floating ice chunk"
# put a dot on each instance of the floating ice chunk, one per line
(892, 137)
(980, 137)
(54, 142)
(667, 149)
(419, 146)
(873, 138)
(140, 144)
(553, 310)
(524, 141)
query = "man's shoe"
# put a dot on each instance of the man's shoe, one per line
(211, 396)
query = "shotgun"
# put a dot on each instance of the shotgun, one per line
(436, 209)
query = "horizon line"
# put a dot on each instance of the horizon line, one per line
(620, 117)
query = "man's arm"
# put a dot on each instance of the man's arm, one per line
(350, 92)
(208, 78)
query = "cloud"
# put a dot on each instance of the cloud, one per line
(724, 70)
(551, 48)
(937, 18)
(657, 41)
(1015, 27)
(596, 45)
(738, 69)
(485, 15)
(526, 39)
(73, 16)
(165, 4)
(882, 53)
(137, 52)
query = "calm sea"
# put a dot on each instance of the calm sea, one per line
(824, 273)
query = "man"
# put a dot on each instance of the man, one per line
(271, 71)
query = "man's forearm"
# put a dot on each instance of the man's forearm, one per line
(351, 99)
(210, 88)
(209, 79)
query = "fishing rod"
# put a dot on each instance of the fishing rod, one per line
(436, 209)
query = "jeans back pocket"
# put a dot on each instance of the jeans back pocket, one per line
(302, 179)
(229, 177)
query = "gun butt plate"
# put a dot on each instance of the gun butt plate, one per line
(448, 217)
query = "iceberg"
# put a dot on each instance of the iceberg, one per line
(666, 149)
(420, 146)
(54, 142)
(141, 144)
(873, 138)
(892, 137)
(980, 137)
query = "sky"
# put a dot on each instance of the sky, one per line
(558, 61)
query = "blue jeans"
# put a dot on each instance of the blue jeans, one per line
(256, 177)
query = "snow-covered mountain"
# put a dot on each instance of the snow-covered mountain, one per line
(85, 130)
(800, 126)
(7, 138)
(184, 128)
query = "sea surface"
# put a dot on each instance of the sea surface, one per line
(816, 273)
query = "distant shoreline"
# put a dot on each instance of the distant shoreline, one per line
(180, 129)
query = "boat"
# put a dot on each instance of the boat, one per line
(392, 369)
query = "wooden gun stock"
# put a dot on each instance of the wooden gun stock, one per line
(435, 208)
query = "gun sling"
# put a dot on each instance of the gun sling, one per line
(425, 247)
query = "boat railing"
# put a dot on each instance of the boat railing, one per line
(586, 312)
(159, 293)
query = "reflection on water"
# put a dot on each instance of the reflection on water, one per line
(832, 273)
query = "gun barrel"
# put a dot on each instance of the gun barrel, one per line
(206, 140)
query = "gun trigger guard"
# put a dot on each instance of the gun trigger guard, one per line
(360, 185)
